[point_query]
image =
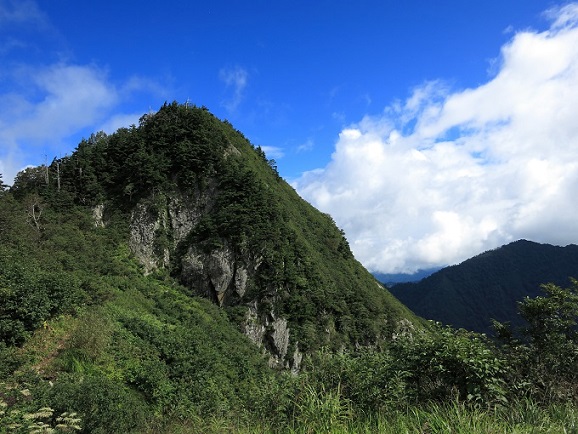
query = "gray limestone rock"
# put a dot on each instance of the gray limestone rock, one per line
(158, 228)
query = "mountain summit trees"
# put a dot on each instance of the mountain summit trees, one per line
(164, 278)
(202, 204)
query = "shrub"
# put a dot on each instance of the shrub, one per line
(104, 406)
(544, 354)
(449, 364)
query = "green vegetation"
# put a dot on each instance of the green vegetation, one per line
(305, 271)
(90, 343)
(488, 286)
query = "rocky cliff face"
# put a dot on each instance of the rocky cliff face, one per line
(217, 275)
(158, 225)
(209, 207)
(159, 232)
(146, 227)
(273, 335)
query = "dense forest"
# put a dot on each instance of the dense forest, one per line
(105, 329)
(489, 286)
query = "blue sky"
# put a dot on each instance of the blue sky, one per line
(430, 131)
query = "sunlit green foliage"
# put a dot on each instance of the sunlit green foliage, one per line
(30, 419)
(90, 343)
(140, 351)
(544, 354)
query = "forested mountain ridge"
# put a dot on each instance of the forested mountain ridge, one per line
(210, 209)
(104, 254)
(489, 286)
(165, 279)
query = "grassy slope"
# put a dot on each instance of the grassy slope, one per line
(128, 351)
(132, 353)
(140, 345)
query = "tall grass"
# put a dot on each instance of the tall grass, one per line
(327, 413)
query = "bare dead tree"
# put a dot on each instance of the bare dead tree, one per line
(58, 174)
(35, 208)
(46, 174)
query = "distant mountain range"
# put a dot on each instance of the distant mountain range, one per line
(394, 278)
(488, 286)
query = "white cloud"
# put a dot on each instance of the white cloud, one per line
(120, 121)
(62, 99)
(307, 146)
(10, 164)
(21, 12)
(563, 16)
(273, 151)
(237, 79)
(445, 175)
(50, 105)
(46, 108)
(137, 84)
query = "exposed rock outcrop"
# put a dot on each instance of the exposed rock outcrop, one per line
(185, 212)
(145, 228)
(160, 226)
(280, 337)
(98, 216)
(216, 274)
(253, 327)
(273, 335)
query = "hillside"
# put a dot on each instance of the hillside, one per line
(165, 279)
(160, 272)
(488, 286)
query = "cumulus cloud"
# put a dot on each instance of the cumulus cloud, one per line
(448, 174)
(235, 78)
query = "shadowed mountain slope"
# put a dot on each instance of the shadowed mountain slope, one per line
(488, 286)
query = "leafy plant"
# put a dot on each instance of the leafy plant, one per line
(321, 410)
(544, 353)
(449, 364)
(19, 415)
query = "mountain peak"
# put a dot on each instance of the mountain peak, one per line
(488, 286)
(204, 205)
